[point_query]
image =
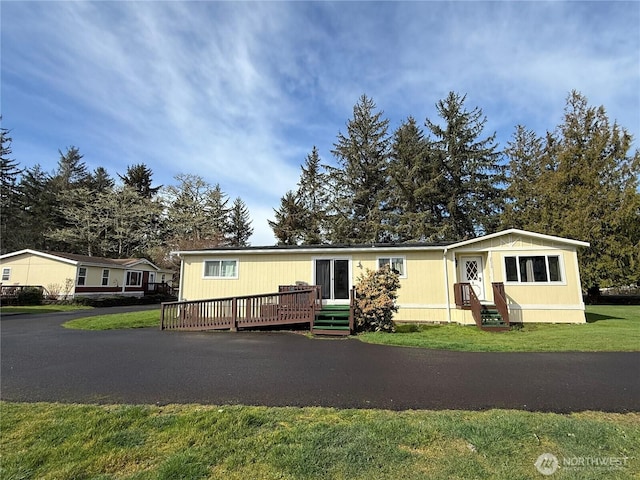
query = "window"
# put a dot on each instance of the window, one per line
(6, 274)
(82, 275)
(537, 269)
(395, 263)
(134, 279)
(105, 277)
(221, 269)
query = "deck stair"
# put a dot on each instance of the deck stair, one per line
(492, 319)
(332, 320)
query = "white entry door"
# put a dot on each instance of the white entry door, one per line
(471, 272)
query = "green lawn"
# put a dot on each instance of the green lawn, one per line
(146, 318)
(55, 441)
(609, 328)
(42, 308)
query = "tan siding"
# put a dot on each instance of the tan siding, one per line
(29, 269)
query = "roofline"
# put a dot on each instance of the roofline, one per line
(307, 249)
(376, 247)
(526, 233)
(80, 262)
(39, 254)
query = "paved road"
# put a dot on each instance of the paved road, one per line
(41, 361)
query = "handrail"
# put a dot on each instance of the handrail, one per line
(467, 299)
(296, 306)
(476, 306)
(500, 300)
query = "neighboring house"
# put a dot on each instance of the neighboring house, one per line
(71, 275)
(537, 274)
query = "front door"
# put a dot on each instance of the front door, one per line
(471, 272)
(332, 274)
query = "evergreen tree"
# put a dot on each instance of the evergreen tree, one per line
(359, 184)
(218, 213)
(587, 189)
(71, 171)
(415, 187)
(100, 181)
(473, 176)
(525, 153)
(240, 229)
(38, 209)
(140, 178)
(10, 211)
(313, 197)
(289, 224)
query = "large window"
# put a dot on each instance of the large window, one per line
(221, 269)
(538, 269)
(395, 263)
(134, 279)
(82, 276)
(6, 274)
(105, 277)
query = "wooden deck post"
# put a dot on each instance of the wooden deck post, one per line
(234, 314)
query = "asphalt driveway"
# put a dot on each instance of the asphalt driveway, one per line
(41, 361)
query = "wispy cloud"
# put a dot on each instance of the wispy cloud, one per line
(239, 92)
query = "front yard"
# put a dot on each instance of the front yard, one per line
(54, 441)
(608, 329)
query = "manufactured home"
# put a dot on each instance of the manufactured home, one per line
(525, 276)
(68, 275)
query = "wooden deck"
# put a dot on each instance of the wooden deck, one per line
(291, 305)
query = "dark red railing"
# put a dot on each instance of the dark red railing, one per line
(289, 306)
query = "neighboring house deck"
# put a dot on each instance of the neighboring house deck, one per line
(67, 275)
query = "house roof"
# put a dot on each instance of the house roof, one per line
(75, 259)
(381, 247)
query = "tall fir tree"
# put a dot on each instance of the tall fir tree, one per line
(140, 178)
(587, 189)
(39, 209)
(359, 184)
(473, 175)
(313, 198)
(289, 223)
(10, 200)
(415, 187)
(240, 229)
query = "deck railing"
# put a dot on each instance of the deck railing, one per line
(295, 305)
(500, 300)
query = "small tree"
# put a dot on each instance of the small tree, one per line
(376, 294)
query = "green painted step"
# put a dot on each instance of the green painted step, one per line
(330, 327)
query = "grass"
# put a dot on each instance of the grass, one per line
(145, 318)
(608, 328)
(52, 441)
(42, 308)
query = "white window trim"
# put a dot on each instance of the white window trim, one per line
(390, 257)
(108, 277)
(209, 277)
(126, 278)
(8, 274)
(546, 256)
(84, 283)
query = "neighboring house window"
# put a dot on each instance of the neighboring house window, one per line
(82, 275)
(221, 269)
(396, 264)
(537, 269)
(134, 279)
(105, 277)
(6, 274)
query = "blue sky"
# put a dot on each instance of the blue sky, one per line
(239, 93)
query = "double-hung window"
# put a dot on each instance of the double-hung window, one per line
(534, 268)
(221, 269)
(6, 274)
(134, 279)
(82, 276)
(105, 277)
(396, 264)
